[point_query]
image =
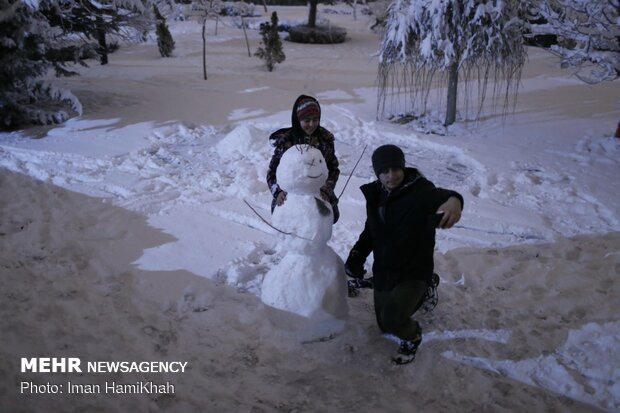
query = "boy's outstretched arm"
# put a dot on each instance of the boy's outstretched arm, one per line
(451, 210)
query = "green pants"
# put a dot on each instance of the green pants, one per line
(395, 307)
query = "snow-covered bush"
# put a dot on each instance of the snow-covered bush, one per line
(318, 34)
(238, 8)
(165, 42)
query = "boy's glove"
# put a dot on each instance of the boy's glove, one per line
(354, 268)
(355, 284)
(354, 265)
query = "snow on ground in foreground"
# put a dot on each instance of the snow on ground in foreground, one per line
(192, 182)
(586, 350)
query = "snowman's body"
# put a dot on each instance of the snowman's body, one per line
(310, 279)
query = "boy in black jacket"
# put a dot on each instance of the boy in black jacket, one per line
(403, 209)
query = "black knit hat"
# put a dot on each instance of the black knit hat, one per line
(387, 156)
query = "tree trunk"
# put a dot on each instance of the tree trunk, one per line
(453, 79)
(103, 46)
(312, 14)
(204, 49)
(245, 34)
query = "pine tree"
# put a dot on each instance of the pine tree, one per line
(451, 39)
(165, 43)
(39, 35)
(97, 19)
(28, 45)
(272, 52)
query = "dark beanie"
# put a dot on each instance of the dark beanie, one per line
(387, 156)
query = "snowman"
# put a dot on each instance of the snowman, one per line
(310, 279)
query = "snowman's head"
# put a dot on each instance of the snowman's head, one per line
(302, 170)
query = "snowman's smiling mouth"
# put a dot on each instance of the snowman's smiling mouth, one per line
(315, 177)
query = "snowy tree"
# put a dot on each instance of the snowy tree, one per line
(165, 42)
(96, 19)
(379, 9)
(204, 10)
(271, 52)
(588, 32)
(446, 41)
(27, 46)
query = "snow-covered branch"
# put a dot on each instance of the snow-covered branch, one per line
(588, 33)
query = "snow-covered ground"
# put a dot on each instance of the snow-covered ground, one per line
(529, 294)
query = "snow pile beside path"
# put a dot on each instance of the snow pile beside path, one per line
(579, 369)
(244, 155)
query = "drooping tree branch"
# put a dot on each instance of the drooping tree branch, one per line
(589, 34)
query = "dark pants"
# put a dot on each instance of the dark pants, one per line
(395, 307)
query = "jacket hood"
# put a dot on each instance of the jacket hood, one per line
(297, 130)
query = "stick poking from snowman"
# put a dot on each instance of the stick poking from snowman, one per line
(271, 225)
(353, 170)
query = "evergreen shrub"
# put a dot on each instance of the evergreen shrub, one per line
(318, 34)
(271, 51)
(165, 42)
